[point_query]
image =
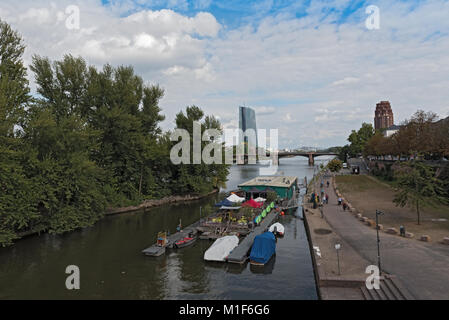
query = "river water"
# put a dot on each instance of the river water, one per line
(112, 267)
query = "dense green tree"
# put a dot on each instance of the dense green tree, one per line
(199, 178)
(358, 139)
(344, 153)
(418, 187)
(335, 165)
(16, 192)
(122, 116)
(89, 140)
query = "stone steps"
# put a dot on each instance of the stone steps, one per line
(390, 289)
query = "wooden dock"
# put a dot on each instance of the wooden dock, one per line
(240, 254)
(171, 239)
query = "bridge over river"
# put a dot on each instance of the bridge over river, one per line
(310, 155)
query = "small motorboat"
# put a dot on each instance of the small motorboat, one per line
(277, 228)
(184, 242)
(264, 247)
(221, 248)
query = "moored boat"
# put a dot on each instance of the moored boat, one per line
(263, 248)
(184, 242)
(221, 248)
(277, 229)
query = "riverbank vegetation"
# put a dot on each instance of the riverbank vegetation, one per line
(358, 140)
(422, 137)
(415, 159)
(368, 194)
(90, 139)
(412, 160)
(335, 165)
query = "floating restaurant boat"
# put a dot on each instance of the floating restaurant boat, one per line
(277, 229)
(221, 248)
(263, 248)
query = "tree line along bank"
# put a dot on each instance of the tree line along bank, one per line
(88, 140)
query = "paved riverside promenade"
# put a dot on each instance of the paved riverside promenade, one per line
(334, 283)
(421, 268)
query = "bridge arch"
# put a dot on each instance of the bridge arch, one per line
(310, 155)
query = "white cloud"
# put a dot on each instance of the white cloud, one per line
(263, 110)
(39, 16)
(146, 41)
(345, 81)
(312, 79)
(288, 118)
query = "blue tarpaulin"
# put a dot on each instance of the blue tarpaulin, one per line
(224, 203)
(264, 247)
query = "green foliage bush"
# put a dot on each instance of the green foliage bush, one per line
(271, 196)
(335, 165)
(91, 140)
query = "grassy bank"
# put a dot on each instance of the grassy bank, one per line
(367, 193)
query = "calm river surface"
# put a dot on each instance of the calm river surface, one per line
(112, 267)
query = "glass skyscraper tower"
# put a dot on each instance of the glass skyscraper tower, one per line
(247, 125)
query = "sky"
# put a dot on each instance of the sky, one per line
(311, 69)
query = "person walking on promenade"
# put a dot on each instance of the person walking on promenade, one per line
(327, 183)
(345, 206)
(339, 201)
(327, 198)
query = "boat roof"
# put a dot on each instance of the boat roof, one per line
(270, 181)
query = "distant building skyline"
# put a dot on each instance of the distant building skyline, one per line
(391, 130)
(383, 116)
(247, 121)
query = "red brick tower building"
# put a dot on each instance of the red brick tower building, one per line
(383, 117)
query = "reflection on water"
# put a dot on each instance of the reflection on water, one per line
(112, 266)
(266, 268)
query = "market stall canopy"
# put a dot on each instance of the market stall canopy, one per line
(260, 199)
(235, 198)
(252, 203)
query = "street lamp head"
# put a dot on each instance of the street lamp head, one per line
(337, 246)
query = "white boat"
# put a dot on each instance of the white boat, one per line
(279, 228)
(221, 248)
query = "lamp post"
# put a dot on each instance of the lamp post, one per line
(378, 213)
(337, 248)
